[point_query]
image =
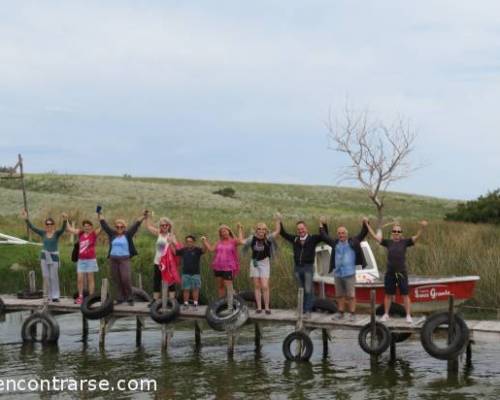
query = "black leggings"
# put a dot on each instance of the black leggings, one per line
(157, 281)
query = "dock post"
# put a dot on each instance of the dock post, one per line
(231, 335)
(326, 337)
(468, 354)
(393, 351)
(103, 323)
(32, 281)
(139, 321)
(453, 365)
(300, 309)
(322, 292)
(373, 357)
(85, 328)
(258, 336)
(197, 335)
(166, 332)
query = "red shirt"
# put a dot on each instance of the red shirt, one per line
(87, 245)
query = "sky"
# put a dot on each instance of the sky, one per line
(239, 90)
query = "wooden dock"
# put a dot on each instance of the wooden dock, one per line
(478, 329)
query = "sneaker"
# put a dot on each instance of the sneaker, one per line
(195, 306)
(55, 300)
(79, 300)
(258, 310)
(384, 318)
(409, 319)
(338, 316)
(185, 306)
(268, 312)
(352, 317)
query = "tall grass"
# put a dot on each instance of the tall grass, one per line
(446, 248)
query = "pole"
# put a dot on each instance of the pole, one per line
(23, 188)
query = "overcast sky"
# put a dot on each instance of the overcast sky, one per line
(241, 90)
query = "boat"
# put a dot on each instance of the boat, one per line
(427, 293)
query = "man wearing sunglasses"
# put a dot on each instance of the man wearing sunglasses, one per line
(397, 275)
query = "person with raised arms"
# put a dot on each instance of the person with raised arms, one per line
(226, 264)
(263, 245)
(87, 263)
(121, 250)
(304, 253)
(49, 256)
(396, 275)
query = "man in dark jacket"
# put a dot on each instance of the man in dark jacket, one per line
(304, 252)
(346, 255)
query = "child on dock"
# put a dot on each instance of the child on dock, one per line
(49, 256)
(397, 275)
(86, 263)
(191, 278)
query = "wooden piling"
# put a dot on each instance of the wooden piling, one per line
(197, 335)
(300, 309)
(32, 281)
(85, 328)
(258, 336)
(231, 335)
(373, 357)
(453, 365)
(139, 323)
(166, 331)
(103, 322)
(325, 337)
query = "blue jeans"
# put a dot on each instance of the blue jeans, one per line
(304, 276)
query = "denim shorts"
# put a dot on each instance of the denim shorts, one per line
(84, 266)
(191, 282)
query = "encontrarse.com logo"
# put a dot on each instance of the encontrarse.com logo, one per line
(76, 385)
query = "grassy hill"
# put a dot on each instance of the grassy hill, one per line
(447, 248)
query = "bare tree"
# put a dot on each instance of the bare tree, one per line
(379, 153)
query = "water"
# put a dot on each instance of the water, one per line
(184, 373)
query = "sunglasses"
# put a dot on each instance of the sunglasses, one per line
(397, 231)
(119, 227)
(164, 225)
(49, 223)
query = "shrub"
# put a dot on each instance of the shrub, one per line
(226, 192)
(484, 209)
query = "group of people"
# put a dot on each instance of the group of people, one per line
(172, 257)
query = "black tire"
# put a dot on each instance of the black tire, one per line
(396, 310)
(220, 322)
(459, 340)
(99, 312)
(50, 333)
(240, 321)
(383, 336)
(306, 344)
(2, 307)
(26, 294)
(325, 305)
(141, 295)
(164, 316)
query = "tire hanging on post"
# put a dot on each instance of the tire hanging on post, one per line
(99, 312)
(456, 345)
(164, 316)
(383, 338)
(50, 328)
(305, 346)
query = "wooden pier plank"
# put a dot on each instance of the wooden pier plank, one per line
(317, 320)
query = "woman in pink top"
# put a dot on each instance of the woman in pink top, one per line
(87, 263)
(225, 264)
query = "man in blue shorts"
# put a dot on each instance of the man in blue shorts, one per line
(191, 278)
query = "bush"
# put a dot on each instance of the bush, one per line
(484, 209)
(226, 192)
